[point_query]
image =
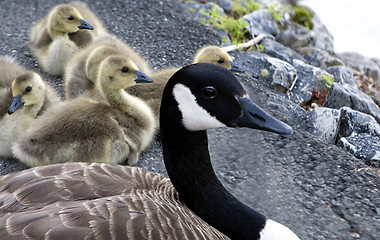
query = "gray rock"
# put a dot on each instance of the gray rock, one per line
(363, 64)
(319, 57)
(278, 50)
(363, 146)
(261, 21)
(322, 38)
(309, 79)
(273, 72)
(355, 122)
(349, 96)
(294, 35)
(324, 123)
(343, 75)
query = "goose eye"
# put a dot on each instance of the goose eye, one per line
(209, 92)
(124, 69)
(28, 89)
(221, 61)
(71, 18)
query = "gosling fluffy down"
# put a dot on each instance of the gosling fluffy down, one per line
(81, 72)
(83, 129)
(23, 97)
(152, 93)
(65, 29)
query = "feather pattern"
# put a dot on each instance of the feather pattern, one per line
(95, 201)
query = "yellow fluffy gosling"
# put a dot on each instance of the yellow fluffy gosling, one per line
(57, 36)
(26, 98)
(81, 71)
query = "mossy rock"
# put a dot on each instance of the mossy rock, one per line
(303, 16)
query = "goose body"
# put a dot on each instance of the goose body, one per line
(152, 93)
(88, 200)
(81, 72)
(87, 130)
(23, 88)
(64, 30)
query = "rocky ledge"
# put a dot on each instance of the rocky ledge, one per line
(296, 61)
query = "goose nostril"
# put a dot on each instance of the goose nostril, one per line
(258, 117)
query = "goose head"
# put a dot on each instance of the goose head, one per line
(64, 19)
(218, 56)
(117, 72)
(28, 91)
(208, 96)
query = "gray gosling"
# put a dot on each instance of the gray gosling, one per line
(21, 101)
(81, 71)
(83, 129)
(152, 93)
(57, 36)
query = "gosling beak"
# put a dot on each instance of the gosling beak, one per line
(16, 104)
(236, 68)
(142, 78)
(255, 117)
(85, 25)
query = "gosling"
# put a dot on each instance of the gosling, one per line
(22, 100)
(81, 72)
(57, 36)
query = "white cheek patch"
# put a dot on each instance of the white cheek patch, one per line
(194, 117)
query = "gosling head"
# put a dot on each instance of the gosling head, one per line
(118, 72)
(94, 59)
(64, 19)
(216, 55)
(28, 89)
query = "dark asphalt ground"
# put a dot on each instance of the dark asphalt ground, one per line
(317, 190)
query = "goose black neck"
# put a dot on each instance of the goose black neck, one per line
(188, 164)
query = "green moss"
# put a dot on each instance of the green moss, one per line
(236, 28)
(247, 6)
(303, 16)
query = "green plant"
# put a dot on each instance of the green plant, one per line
(303, 16)
(236, 29)
(247, 6)
(277, 10)
(259, 48)
(328, 80)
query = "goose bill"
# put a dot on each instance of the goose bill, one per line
(255, 117)
(16, 104)
(142, 78)
(85, 25)
(236, 68)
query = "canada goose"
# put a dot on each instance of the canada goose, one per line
(31, 96)
(85, 130)
(81, 70)
(84, 200)
(152, 93)
(57, 36)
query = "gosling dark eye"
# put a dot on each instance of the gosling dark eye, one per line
(124, 69)
(209, 92)
(221, 61)
(71, 18)
(28, 89)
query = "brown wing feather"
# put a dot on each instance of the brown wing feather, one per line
(96, 201)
